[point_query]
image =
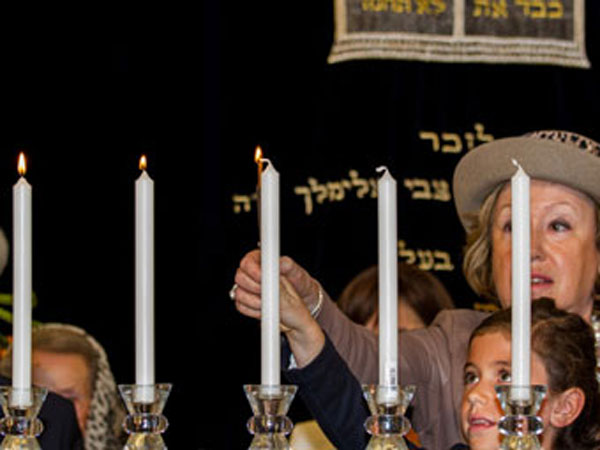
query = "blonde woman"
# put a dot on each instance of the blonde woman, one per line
(565, 260)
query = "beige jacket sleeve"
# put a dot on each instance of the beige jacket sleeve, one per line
(432, 359)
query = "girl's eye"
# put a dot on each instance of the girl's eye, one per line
(470, 378)
(559, 225)
(507, 227)
(504, 376)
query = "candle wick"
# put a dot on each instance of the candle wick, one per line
(382, 169)
(516, 163)
(265, 160)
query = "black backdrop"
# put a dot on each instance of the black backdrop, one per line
(85, 95)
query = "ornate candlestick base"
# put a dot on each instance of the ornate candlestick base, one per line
(387, 424)
(144, 422)
(270, 425)
(20, 425)
(520, 424)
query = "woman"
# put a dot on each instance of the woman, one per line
(70, 362)
(565, 193)
(562, 347)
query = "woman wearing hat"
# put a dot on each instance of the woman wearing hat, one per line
(565, 261)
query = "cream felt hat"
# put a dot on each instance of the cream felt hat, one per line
(558, 156)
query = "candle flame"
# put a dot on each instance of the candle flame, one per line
(22, 167)
(143, 162)
(257, 154)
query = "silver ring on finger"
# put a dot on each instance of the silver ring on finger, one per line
(232, 292)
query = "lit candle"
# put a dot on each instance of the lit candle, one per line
(21, 357)
(521, 283)
(269, 254)
(144, 281)
(388, 279)
(259, 163)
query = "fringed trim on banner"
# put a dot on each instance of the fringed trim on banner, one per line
(458, 47)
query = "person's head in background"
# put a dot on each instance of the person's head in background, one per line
(71, 363)
(563, 359)
(421, 296)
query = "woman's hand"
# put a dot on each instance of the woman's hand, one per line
(247, 281)
(297, 290)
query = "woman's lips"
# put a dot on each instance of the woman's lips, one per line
(478, 423)
(539, 281)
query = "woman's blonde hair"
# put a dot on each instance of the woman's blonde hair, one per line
(477, 263)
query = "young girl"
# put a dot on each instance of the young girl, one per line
(563, 359)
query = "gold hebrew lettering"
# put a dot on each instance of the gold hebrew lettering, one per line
(441, 190)
(555, 9)
(456, 145)
(241, 202)
(373, 185)
(482, 8)
(361, 183)
(430, 135)
(499, 9)
(442, 261)
(419, 188)
(439, 6)
(470, 138)
(425, 259)
(383, 5)
(319, 189)
(403, 252)
(526, 4)
(308, 203)
(423, 7)
(481, 136)
(402, 6)
(336, 191)
(538, 9)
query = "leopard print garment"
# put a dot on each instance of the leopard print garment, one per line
(104, 429)
(567, 137)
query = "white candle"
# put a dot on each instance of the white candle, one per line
(144, 280)
(269, 254)
(388, 279)
(521, 283)
(21, 357)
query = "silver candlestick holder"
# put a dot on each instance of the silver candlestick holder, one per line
(145, 422)
(387, 424)
(520, 424)
(20, 426)
(270, 424)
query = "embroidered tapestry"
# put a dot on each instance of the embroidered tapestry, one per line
(490, 31)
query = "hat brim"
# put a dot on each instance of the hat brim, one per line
(489, 165)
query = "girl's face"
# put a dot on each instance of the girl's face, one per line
(488, 365)
(564, 257)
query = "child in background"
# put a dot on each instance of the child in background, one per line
(563, 359)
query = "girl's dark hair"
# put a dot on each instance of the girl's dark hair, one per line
(421, 290)
(565, 343)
